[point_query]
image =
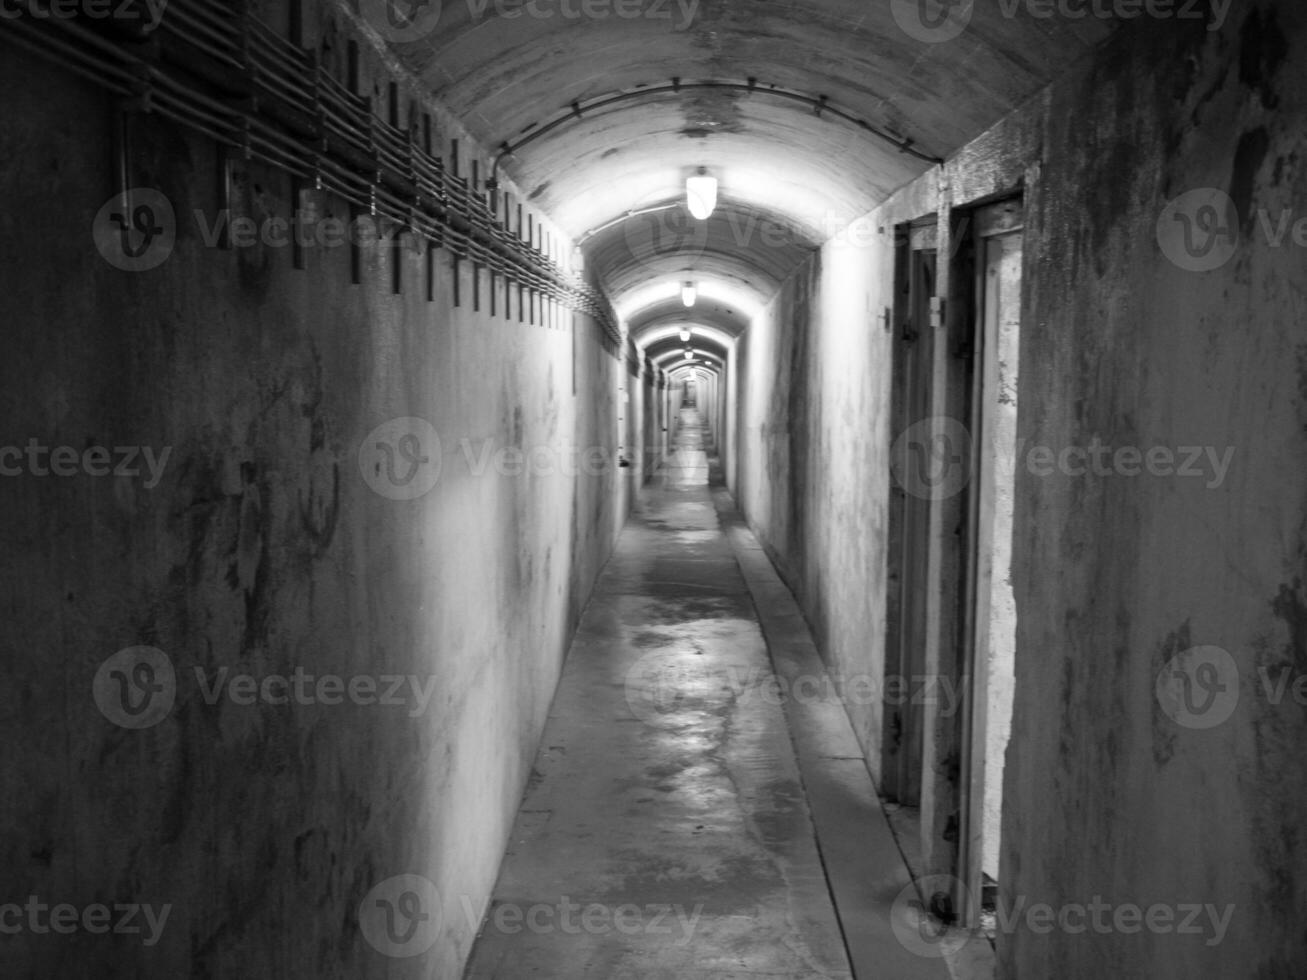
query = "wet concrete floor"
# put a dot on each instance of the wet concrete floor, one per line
(667, 832)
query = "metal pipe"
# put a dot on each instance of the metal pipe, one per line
(820, 105)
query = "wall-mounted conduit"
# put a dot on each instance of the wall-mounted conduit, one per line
(214, 68)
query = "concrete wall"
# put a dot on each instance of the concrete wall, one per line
(263, 549)
(1107, 797)
(1116, 575)
(710, 399)
(809, 383)
(652, 422)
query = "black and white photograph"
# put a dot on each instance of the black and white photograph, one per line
(653, 489)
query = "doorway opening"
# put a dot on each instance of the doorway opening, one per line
(990, 259)
(903, 730)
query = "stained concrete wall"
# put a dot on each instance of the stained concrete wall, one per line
(262, 549)
(1116, 575)
(1108, 798)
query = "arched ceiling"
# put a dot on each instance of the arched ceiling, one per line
(668, 347)
(739, 244)
(688, 370)
(700, 334)
(719, 305)
(790, 176)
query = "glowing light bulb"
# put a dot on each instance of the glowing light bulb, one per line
(685, 336)
(701, 194)
(689, 294)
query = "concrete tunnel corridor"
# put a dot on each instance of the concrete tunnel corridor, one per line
(653, 488)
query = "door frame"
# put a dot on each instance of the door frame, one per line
(903, 726)
(986, 222)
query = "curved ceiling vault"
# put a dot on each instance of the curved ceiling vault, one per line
(613, 176)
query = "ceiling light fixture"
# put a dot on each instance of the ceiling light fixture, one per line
(701, 194)
(685, 335)
(688, 293)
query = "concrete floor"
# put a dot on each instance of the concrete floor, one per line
(681, 821)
